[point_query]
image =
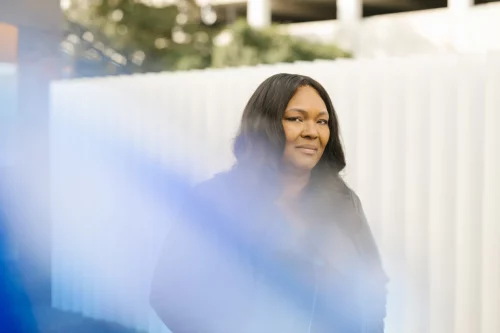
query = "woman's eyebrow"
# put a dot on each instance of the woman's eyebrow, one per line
(304, 111)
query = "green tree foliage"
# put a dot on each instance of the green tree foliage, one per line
(106, 37)
(150, 38)
(171, 37)
(247, 46)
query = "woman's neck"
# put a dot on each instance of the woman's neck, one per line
(293, 185)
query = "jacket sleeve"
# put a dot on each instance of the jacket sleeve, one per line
(374, 289)
(200, 285)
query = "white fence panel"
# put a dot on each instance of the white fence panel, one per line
(423, 150)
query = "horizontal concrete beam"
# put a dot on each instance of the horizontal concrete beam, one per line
(396, 4)
(281, 8)
(317, 9)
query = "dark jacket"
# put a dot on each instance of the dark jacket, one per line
(231, 265)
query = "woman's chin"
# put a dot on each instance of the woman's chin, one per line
(304, 166)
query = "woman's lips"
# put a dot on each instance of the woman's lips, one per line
(308, 150)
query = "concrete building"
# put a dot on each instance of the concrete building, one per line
(293, 11)
(377, 28)
(30, 34)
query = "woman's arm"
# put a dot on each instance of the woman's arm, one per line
(375, 284)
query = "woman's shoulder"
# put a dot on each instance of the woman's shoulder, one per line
(223, 189)
(355, 200)
(218, 184)
(341, 203)
(349, 194)
(335, 189)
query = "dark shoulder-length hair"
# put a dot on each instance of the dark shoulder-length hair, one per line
(261, 139)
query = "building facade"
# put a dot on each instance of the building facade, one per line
(263, 12)
(30, 34)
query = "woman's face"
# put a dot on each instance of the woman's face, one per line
(305, 122)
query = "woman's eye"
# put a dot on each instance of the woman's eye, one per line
(323, 122)
(296, 119)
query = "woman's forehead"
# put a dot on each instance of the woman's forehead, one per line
(307, 98)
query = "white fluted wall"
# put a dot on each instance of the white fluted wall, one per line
(423, 148)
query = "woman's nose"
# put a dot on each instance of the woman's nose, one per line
(310, 130)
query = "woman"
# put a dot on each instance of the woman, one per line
(279, 243)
